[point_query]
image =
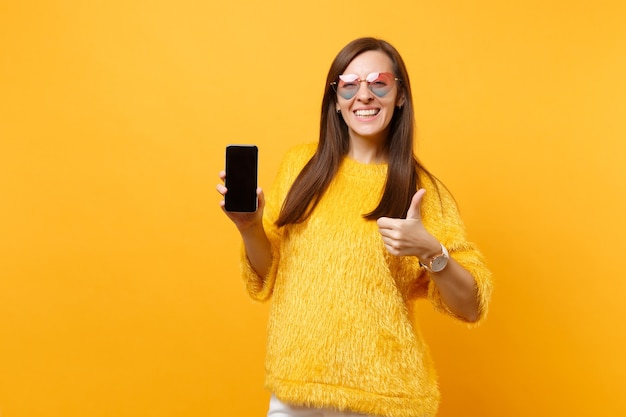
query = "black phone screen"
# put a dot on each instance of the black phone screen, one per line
(241, 178)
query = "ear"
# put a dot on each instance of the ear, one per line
(400, 100)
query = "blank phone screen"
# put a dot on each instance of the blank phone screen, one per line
(241, 178)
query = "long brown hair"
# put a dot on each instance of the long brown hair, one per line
(334, 143)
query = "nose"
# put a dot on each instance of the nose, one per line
(364, 93)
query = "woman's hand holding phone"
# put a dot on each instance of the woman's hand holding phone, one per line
(243, 200)
(243, 220)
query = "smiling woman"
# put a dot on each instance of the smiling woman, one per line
(344, 245)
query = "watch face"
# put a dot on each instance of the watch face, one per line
(439, 263)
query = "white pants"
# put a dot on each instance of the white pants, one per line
(280, 409)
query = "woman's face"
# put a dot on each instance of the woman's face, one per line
(370, 80)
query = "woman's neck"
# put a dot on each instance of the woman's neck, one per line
(367, 151)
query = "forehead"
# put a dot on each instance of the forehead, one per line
(368, 62)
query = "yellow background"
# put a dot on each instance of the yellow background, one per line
(119, 286)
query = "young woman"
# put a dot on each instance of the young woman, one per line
(353, 232)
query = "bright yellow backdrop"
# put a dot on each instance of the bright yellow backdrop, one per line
(119, 290)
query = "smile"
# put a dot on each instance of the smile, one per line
(366, 113)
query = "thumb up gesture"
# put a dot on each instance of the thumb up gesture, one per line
(408, 237)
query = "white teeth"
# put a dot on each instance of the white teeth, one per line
(366, 113)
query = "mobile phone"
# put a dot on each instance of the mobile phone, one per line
(242, 163)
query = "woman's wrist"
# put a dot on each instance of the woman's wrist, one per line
(430, 251)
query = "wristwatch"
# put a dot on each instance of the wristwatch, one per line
(438, 262)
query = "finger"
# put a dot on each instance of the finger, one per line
(221, 189)
(384, 232)
(222, 175)
(390, 246)
(415, 211)
(389, 228)
(261, 198)
(385, 223)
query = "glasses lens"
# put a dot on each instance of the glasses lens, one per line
(348, 85)
(382, 84)
(379, 83)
